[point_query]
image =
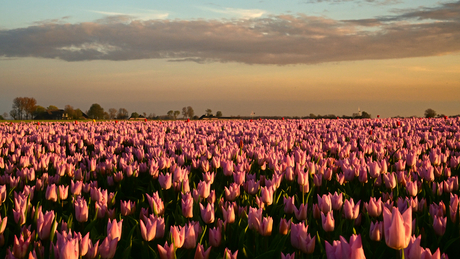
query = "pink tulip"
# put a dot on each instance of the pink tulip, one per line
(20, 207)
(177, 236)
(127, 207)
(118, 176)
(165, 181)
(303, 181)
(212, 196)
(2, 194)
(215, 236)
(426, 254)
(101, 209)
(114, 229)
(414, 250)
(284, 226)
(390, 180)
(228, 254)
(288, 256)
(191, 236)
(227, 167)
(156, 204)
(207, 214)
(324, 203)
(288, 204)
(51, 193)
(328, 221)
(44, 224)
(81, 210)
(289, 174)
(411, 188)
(301, 239)
(340, 178)
(209, 177)
(453, 207)
(297, 230)
(439, 225)
(342, 249)
(108, 248)
(3, 223)
(75, 188)
(351, 211)
(318, 179)
(20, 246)
(232, 192)
(397, 227)
(229, 213)
(266, 225)
(254, 218)
(336, 201)
(375, 207)
(251, 186)
(148, 229)
(267, 195)
(316, 211)
(69, 249)
(204, 189)
(411, 159)
(239, 177)
(187, 205)
(376, 231)
(307, 244)
(301, 213)
(84, 243)
(63, 192)
(374, 169)
(200, 253)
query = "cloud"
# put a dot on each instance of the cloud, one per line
(447, 11)
(145, 15)
(278, 40)
(241, 13)
(376, 2)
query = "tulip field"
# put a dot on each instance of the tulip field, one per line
(335, 189)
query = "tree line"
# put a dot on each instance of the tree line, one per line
(26, 108)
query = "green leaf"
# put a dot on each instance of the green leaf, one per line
(450, 242)
(202, 234)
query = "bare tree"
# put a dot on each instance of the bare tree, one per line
(176, 113)
(190, 112)
(184, 112)
(171, 114)
(112, 113)
(122, 114)
(208, 112)
(151, 116)
(23, 108)
(29, 106)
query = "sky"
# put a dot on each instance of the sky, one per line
(285, 58)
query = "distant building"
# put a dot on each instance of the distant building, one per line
(358, 114)
(53, 115)
(140, 117)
